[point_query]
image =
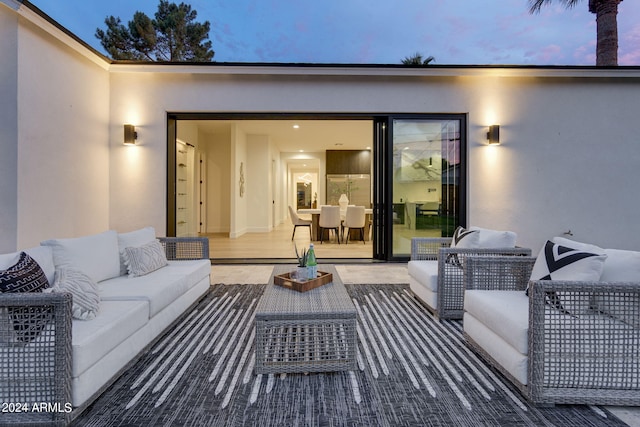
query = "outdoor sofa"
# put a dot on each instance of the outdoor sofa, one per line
(52, 363)
(572, 337)
(436, 265)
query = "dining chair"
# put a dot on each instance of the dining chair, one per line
(298, 222)
(329, 219)
(354, 218)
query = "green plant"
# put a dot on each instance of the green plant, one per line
(302, 259)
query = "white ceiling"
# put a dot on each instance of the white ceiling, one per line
(311, 136)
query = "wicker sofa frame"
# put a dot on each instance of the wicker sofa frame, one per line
(40, 373)
(595, 363)
(450, 294)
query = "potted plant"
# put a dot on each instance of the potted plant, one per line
(301, 272)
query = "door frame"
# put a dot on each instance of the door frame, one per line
(382, 164)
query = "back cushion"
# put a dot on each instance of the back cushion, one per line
(621, 266)
(496, 239)
(134, 239)
(96, 255)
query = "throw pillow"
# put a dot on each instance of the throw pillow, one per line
(83, 289)
(558, 262)
(24, 276)
(621, 266)
(97, 255)
(144, 259)
(463, 238)
(133, 239)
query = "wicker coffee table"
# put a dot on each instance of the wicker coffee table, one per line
(313, 331)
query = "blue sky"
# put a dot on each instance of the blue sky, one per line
(365, 31)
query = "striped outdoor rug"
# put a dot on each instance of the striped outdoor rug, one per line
(413, 371)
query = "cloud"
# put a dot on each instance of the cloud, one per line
(629, 47)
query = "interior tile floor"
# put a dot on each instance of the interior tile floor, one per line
(362, 274)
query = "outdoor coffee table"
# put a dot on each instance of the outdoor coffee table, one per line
(313, 331)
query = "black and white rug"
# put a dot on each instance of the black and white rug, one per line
(413, 371)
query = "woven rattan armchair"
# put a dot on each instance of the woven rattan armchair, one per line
(35, 365)
(447, 263)
(585, 352)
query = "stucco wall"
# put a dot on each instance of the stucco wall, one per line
(59, 129)
(568, 152)
(8, 130)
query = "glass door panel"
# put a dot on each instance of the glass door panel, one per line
(425, 180)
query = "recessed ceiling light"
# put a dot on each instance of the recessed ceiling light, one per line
(302, 151)
(296, 126)
(368, 148)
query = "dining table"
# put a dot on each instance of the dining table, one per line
(315, 221)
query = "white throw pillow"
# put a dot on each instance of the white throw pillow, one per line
(86, 297)
(466, 239)
(495, 239)
(558, 262)
(133, 239)
(144, 259)
(96, 255)
(586, 247)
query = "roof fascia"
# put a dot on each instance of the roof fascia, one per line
(373, 70)
(40, 19)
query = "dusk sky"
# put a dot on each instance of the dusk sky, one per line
(376, 32)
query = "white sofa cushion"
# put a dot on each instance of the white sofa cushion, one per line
(621, 266)
(508, 357)
(424, 272)
(506, 313)
(133, 239)
(41, 254)
(495, 239)
(96, 255)
(159, 288)
(115, 322)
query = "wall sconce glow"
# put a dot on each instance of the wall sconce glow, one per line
(494, 134)
(130, 135)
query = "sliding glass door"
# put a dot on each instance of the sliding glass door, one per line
(427, 179)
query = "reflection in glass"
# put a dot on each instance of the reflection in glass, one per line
(426, 162)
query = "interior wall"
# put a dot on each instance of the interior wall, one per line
(62, 129)
(217, 148)
(257, 171)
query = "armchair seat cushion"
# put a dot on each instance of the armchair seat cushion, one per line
(506, 313)
(425, 273)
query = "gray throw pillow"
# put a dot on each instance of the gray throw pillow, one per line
(144, 259)
(83, 289)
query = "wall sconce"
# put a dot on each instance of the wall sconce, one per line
(130, 134)
(494, 134)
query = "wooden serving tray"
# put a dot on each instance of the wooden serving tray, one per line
(286, 281)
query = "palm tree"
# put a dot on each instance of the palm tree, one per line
(416, 59)
(607, 26)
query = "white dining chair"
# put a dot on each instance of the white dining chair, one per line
(298, 222)
(329, 219)
(354, 218)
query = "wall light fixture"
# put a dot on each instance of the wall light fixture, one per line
(494, 134)
(130, 134)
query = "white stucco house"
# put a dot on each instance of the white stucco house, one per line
(568, 158)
